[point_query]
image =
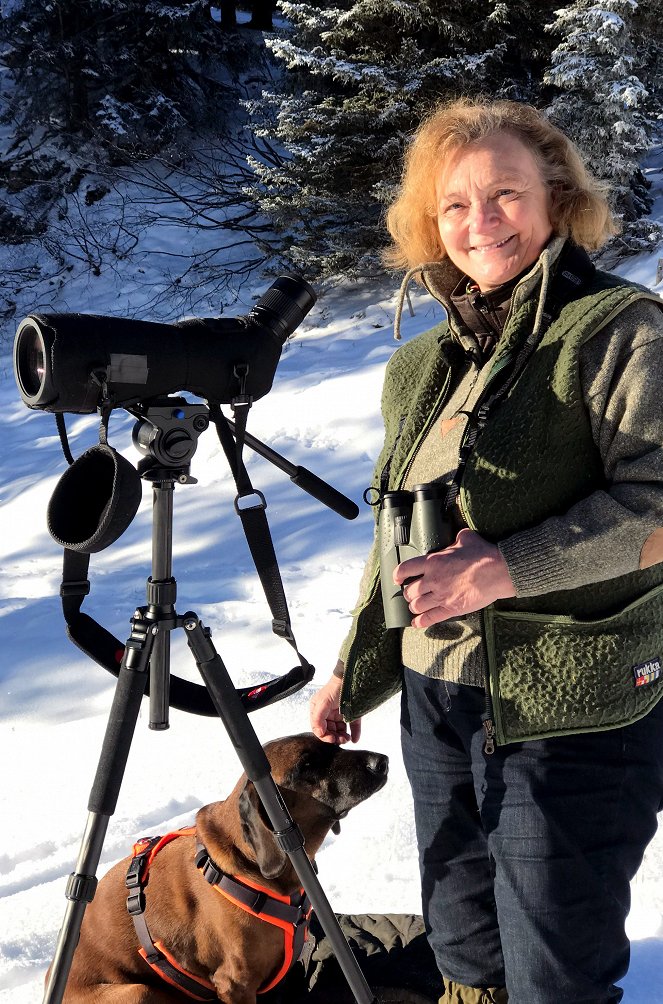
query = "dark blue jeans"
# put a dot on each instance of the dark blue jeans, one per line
(526, 855)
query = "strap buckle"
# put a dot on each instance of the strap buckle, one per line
(261, 503)
(209, 870)
(75, 587)
(282, 629)
(135, 880)
(136, 902)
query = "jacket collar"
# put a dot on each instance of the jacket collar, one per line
(441, 278)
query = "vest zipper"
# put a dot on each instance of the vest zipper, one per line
(497, 369)
(489, 727)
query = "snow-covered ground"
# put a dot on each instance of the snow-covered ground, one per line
(323, 413)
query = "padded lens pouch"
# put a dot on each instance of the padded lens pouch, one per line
(94, 501)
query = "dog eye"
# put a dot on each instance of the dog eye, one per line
(309, 769)
(307, 765)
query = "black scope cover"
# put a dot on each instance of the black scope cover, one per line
(69, 362)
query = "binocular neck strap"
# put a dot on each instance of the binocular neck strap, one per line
(572, 274)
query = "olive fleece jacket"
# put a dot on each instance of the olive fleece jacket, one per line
(609, 533)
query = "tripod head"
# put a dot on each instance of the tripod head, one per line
(167, 433)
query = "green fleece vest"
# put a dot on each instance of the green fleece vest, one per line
(572, 661)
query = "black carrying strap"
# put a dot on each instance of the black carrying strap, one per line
(98, 643)
(254, 521)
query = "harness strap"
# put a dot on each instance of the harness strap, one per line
(290, 913)
(155, 953)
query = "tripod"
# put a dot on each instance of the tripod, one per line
(146, 656)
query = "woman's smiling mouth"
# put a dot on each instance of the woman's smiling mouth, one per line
(484, 248)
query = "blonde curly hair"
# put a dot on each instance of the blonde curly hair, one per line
(578, 204)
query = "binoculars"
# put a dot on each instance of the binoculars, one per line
(410, 525)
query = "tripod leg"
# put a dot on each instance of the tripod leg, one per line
(256, 765)
(82, 884)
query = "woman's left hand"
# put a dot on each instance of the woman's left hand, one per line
(465, 577)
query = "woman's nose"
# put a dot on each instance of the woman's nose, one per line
(482, 215)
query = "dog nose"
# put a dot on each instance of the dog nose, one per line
(378, 764)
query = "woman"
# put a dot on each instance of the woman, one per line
(531, 726)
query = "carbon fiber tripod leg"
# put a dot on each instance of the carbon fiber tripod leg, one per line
(82, 884)
(256, 765)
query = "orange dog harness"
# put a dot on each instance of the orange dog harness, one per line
(290, 913)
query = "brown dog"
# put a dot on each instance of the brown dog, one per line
(206, 934)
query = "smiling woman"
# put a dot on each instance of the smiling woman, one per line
(532, 726)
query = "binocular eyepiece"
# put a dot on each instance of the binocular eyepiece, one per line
(411, 524)
(74, 362)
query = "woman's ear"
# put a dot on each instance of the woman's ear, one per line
(258, 833)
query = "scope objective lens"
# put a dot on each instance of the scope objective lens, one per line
(30, 360)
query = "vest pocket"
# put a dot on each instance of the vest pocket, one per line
(553, 675)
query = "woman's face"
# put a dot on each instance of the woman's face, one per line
(492, 210)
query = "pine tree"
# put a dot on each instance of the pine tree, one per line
(126, 75)
(601, 100)
(648, 43)
(356, 80)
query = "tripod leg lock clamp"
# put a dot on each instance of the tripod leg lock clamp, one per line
(81, 888)
(162, 592)
(289, 840)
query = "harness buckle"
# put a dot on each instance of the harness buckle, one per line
(136, 902)
(211, 873)
(134, 880)
(135, 871)
(258, 903)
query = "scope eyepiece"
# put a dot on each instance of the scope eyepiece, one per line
(284, 306)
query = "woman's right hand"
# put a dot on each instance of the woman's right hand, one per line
(326, 720)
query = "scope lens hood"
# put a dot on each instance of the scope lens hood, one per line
(94, 501)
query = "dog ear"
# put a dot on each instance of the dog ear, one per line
(258, 833)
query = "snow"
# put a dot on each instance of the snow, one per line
(322, 413)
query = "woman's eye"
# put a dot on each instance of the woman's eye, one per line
(505, 192)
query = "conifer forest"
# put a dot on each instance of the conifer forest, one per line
(284, 123)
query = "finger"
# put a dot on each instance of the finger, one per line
(337, 730)
(433, 616)
(319, 715)
(331, 732)
(416, 590)
(420, 604)
(355, 730)
(410, 569)
(331, 737)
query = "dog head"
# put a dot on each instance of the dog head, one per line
(319, 782)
